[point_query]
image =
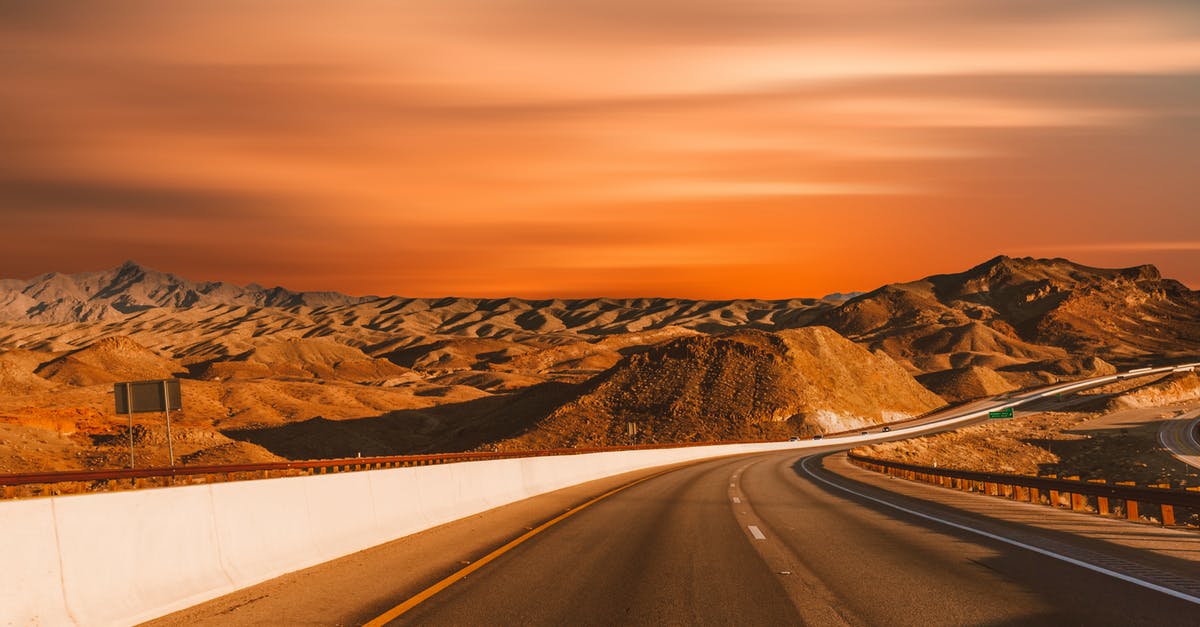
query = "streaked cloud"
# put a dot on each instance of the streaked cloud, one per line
(1192, 246)
(561, 148)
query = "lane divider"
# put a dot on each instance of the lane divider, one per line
(757, 533)
(804, 464)
(429, 592)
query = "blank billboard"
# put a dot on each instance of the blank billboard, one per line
(147, 396)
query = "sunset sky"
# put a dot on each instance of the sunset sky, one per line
(538, 148)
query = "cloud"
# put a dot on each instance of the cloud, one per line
(66, 198)
(1190, 246)
(460, 141)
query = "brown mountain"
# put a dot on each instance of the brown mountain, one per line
(111, 359)
(743, 385)
(1010, 311)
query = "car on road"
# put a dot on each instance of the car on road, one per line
(817, 436)
(794, 438)
(886, 429)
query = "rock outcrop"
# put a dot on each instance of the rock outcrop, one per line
(744, 385)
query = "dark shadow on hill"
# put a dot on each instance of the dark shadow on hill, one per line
(448, 428)
(1121, 454)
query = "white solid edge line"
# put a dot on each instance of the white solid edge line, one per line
(757, 533)
(1070, 560)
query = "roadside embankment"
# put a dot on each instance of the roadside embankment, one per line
(1118, 446)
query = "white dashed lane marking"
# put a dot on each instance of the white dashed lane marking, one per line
(758, 535)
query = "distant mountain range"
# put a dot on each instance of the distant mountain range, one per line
(1008, 311)
(130, 288)
(1000, 314)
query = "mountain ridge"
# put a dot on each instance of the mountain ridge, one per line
(131, 288)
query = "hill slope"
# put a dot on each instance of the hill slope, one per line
(109, 360)
(1008, 311)
(744, 385)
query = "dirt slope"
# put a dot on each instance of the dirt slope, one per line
(1024, 310)
(1182, 386)
(960, 384)
(304, 357)
(743, 385)
(111, 359)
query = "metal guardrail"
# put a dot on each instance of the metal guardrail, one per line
(106, 479)
(1069, 492)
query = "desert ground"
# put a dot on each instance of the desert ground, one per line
(269, 374)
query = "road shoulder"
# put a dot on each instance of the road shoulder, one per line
(1169, 557)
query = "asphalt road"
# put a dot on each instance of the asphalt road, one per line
(679, 550)
(764, 539)
(1180, 438)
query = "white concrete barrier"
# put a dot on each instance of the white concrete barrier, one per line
(31, 585)
(124, 557)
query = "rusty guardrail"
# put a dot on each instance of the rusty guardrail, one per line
(73, 481)
(1070, 492)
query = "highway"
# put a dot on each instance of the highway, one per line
(1181, 438)
(761, 539)
(787, 537)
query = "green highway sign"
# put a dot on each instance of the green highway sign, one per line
(1003, 413)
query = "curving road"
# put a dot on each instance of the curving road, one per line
(789, 537)
(1181, 438)
(764, 539)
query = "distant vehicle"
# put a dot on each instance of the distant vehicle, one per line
(817, 436)
(886, 429)
(794, 439)
(866, 433)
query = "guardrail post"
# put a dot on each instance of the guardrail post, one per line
(1102, 507)
(1131, 510)
(1168, 515)
(1131, 506)
(1055, 501)
(1078, 503)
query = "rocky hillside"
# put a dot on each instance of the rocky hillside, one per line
(1177, 387)
(744, 385)
(106, 361)
(305, 358)
(1010, 311)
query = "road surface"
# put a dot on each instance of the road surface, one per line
(788, 537)
(1181, 437)
(763, 539)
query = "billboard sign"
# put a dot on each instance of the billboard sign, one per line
(147, 396)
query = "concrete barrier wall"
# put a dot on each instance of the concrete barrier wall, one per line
(124, 557)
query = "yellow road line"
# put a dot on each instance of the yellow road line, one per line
(425, 594)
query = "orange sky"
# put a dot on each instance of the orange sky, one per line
(596, 147)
